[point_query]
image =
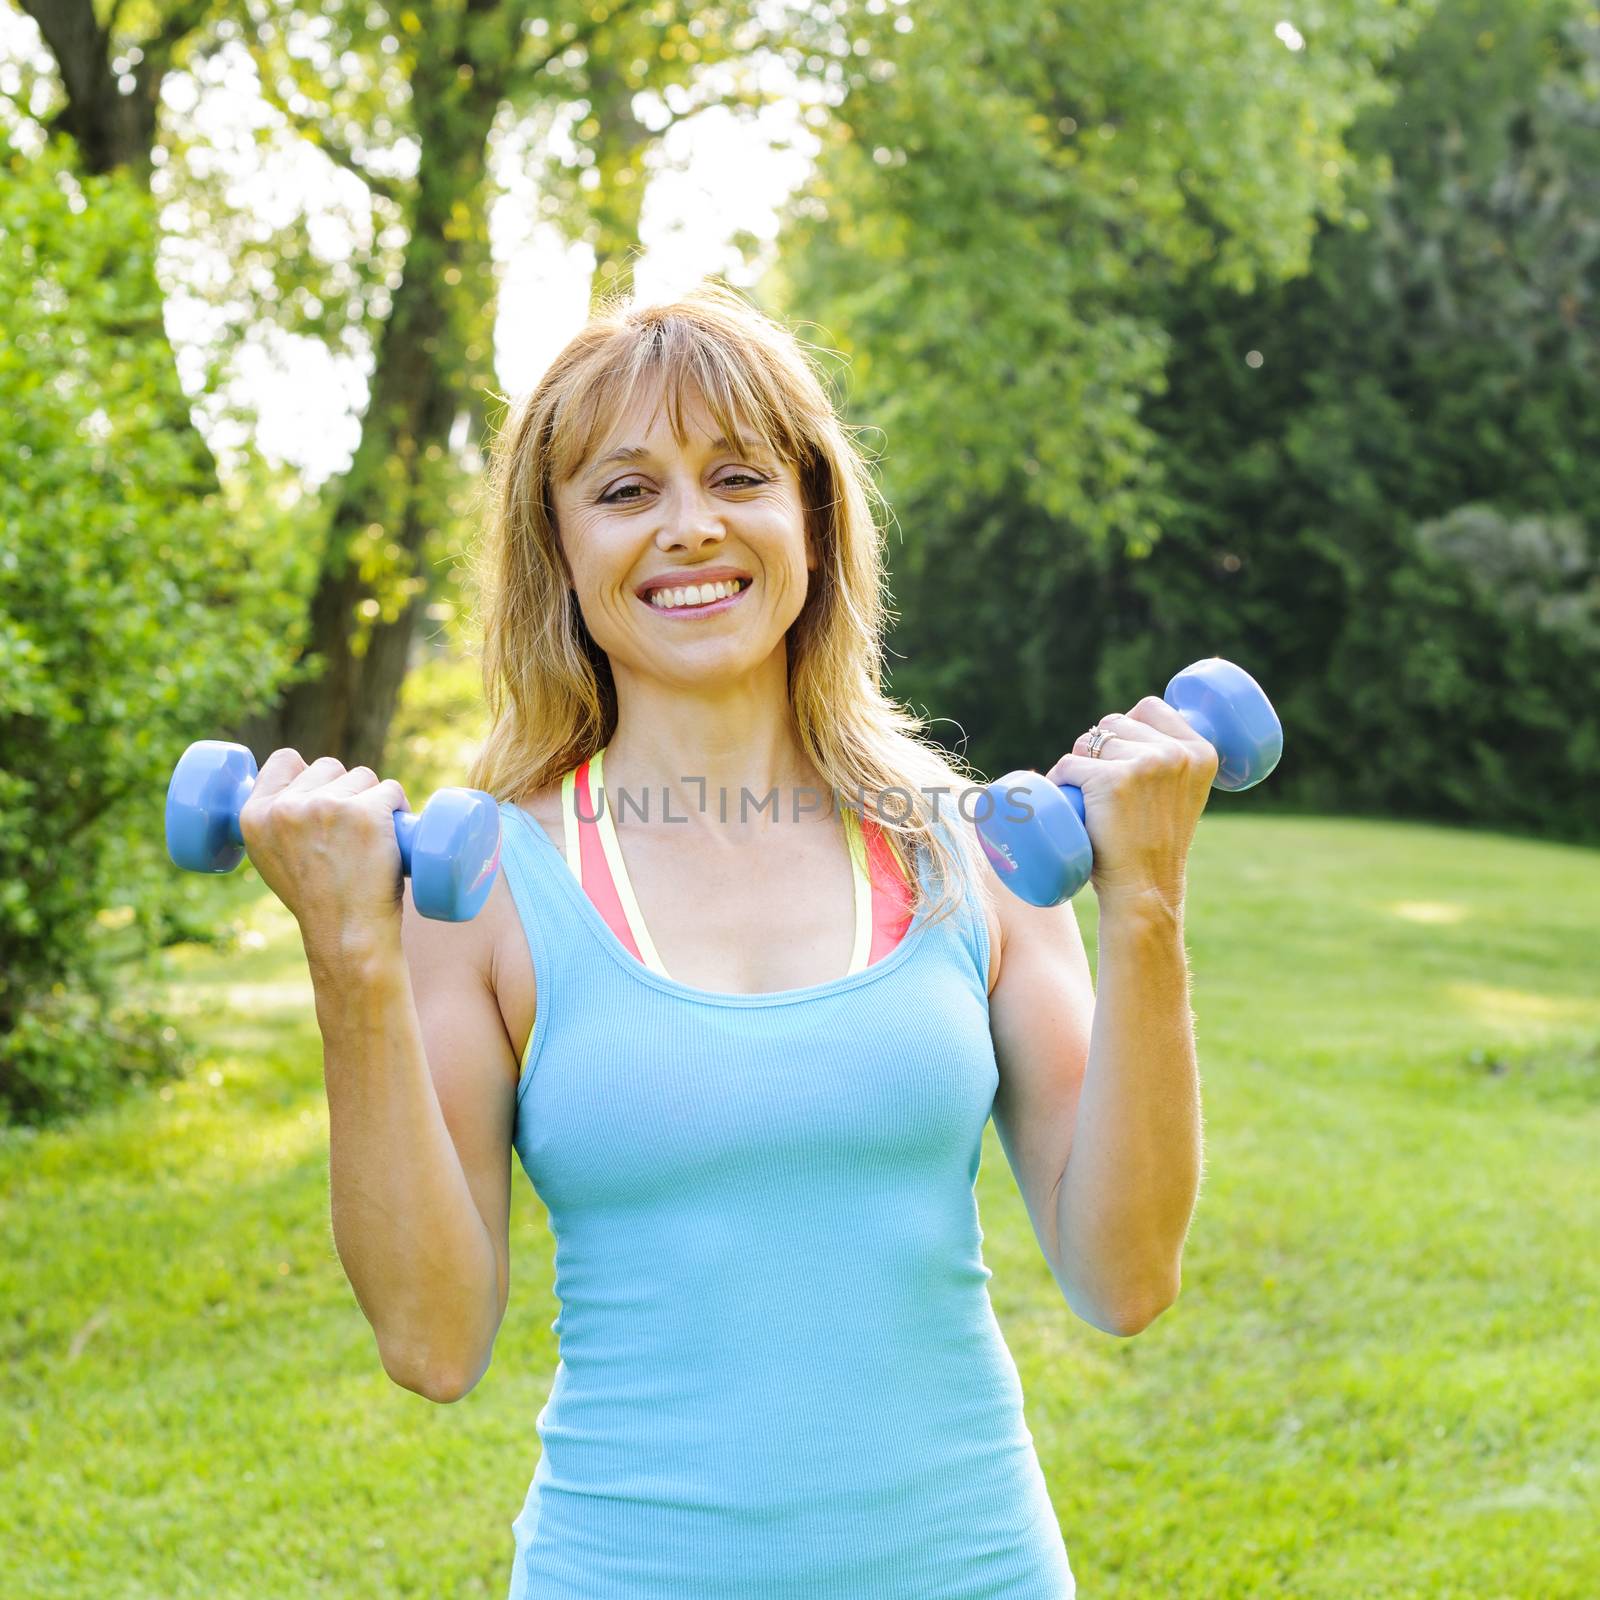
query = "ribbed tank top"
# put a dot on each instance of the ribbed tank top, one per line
(780, 1373)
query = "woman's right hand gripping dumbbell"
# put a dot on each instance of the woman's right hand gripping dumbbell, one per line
(323, 839)
(317, 835)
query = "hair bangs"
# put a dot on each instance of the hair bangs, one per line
(670, 359)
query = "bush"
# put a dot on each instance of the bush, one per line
(139, 609)
(70, 1048)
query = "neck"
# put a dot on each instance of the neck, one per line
(690, 747)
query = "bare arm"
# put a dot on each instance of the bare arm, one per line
(1124, 1103)
(1098, 1105)
(1129, 1189)
(421, 1082)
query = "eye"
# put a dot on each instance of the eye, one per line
(614, 497)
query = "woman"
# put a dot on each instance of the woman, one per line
(743, 998)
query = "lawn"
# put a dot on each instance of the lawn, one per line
(1382, 1377)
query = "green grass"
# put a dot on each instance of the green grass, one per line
(1382, 1378)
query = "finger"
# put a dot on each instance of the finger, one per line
(321, 771)
(391, 794)
(1108, 750)
(1130, 729)
(1134, 736)
(278, 771)
(1083, 771)
(1164, 718)
(353, 781)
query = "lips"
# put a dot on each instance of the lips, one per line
(704, 608)
(684, 576)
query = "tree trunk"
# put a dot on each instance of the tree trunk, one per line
(345, 710)
(422, 378)
(619, 198)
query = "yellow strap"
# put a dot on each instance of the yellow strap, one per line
(862, 947)
(619, 872)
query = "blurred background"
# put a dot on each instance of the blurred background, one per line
(1256, 329)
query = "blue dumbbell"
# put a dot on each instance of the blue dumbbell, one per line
(1033, 830)
(451, 852)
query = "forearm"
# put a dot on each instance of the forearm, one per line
(405, 1224)
(1128, 1193)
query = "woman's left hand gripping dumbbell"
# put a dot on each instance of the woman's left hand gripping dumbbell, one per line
(1143, 795)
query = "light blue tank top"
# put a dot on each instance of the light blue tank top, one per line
(780, 1373)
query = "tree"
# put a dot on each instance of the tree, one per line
(1391, 511)
(132, 610)
(1003, 194)
(398, 514)
(111, 94)
(410, 102)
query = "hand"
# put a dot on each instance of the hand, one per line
(1142, 798)
(323, 841)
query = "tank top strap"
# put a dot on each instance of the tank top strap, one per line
(530, 862)
(971, 921)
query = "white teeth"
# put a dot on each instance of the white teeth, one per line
(693, 595)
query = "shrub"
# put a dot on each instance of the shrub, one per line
(139, 609)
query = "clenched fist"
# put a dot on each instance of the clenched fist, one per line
(323, 840)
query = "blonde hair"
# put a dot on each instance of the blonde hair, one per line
(551, 697)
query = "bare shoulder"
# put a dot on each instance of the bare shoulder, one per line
(545, 809)
(508, 966)
(453, 963)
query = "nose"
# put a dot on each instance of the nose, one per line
(691, 521)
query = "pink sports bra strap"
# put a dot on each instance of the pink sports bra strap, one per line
(595, 870)
(891, 893)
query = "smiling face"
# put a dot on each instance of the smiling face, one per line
(650, 514)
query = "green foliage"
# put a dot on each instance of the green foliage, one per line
(1006, 197)
(581, 144)
(137, 612)
(72, 1048)
(1391, 517)
(1541, 572)
(999, 191)
(1347, 439)
(438, 725)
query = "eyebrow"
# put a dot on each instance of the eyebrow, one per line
(637, 452)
